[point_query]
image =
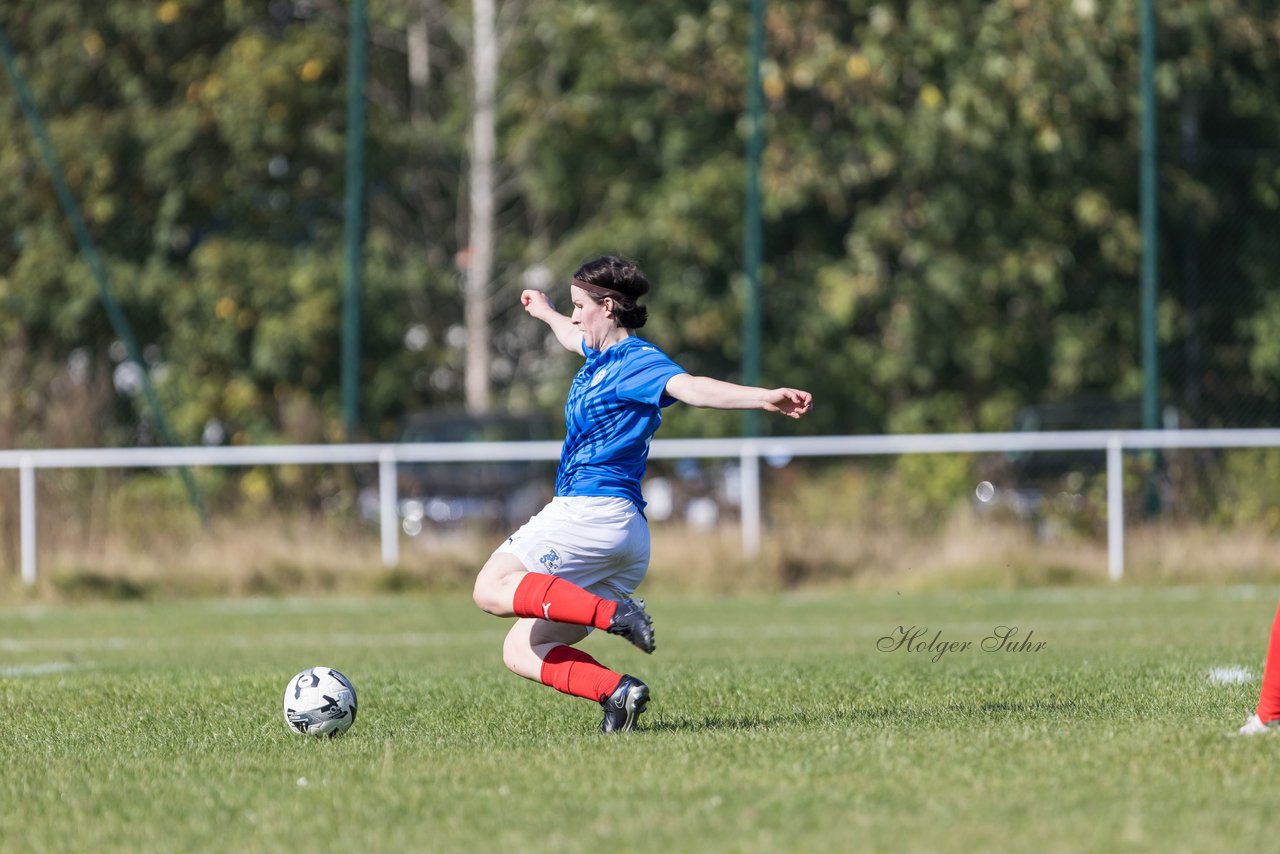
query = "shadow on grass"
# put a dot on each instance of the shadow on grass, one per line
(86, 584)
(881, 717)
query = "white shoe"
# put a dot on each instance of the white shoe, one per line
(1255, 726)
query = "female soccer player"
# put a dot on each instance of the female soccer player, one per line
(1266, 718)
(574, 565)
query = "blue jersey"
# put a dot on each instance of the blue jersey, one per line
(613, 410)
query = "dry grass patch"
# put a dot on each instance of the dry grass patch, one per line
(282, 555)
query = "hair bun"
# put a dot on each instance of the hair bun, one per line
(634, 318)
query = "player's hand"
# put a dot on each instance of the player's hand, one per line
(790, 402)
(537, 303)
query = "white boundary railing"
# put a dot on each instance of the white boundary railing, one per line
(748, 451)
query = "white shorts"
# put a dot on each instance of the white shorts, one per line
(598, 543)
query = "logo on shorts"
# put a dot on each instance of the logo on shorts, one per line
(551, 560)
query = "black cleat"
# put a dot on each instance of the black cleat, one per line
(624, 705)
(631, 622)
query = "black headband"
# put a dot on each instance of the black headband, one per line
(620, 299)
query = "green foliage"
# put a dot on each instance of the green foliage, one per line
(143, 505)
(928, 486)
(950, 202)
(1251, 488)
(914, 492)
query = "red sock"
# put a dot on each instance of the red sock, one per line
(572, 671)
(1269, 701)
(550, 598)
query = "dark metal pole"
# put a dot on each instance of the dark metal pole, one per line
(1191, 259)
(1150, 251)
(1150, 239)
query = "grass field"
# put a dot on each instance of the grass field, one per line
(777, 725)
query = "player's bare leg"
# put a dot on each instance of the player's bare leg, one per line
(505, 588)
(526, 646)
(543, 651)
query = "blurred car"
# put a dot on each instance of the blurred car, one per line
(496, 493)
(698, 493)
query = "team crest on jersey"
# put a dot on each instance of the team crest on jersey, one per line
(551, 560)
(595, 381)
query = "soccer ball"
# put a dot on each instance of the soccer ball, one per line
(320, 701)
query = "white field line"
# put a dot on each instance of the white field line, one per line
(16, 671)
(72, 644)
(407, 639)
(952, 629)
(1235, 674)
(1112, 595)
(1047, 595)
(1043, 624)
(435, 639)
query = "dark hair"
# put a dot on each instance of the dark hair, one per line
(623, 277)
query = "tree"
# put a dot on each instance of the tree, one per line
(479, 252)
(950, 203)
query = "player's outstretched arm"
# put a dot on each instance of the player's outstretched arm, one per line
(538, 304)
(717, 394)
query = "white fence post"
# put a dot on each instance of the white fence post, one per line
(27, 511)
(1115, 507)
(750, 458)
(747, 450)
(388, 515)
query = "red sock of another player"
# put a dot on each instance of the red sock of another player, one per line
(572, 671)
(1269, 701)
(550, 598)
